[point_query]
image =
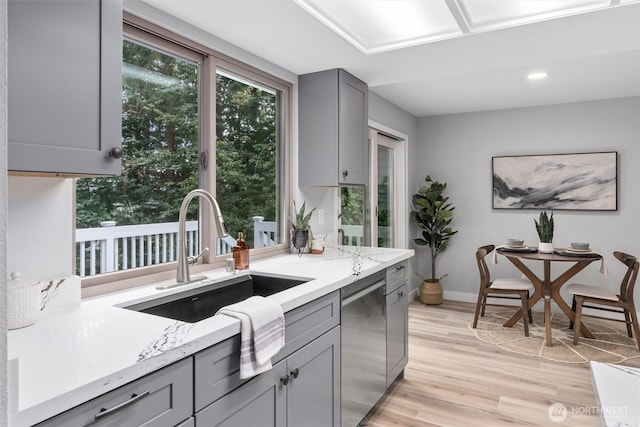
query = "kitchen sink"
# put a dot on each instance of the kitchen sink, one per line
(203, 302)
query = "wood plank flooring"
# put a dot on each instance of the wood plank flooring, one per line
(454, 379)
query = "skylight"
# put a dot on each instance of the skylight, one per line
(380, 25)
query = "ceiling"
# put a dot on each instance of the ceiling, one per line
(482, 66)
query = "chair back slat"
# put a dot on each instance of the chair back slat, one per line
(485, 275)
(629, 280)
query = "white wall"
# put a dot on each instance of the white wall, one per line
(457, 149)
(40, 211)
(3, 213)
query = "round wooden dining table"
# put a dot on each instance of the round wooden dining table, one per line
(547, 288)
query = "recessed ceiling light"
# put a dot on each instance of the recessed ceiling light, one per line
(538, 75)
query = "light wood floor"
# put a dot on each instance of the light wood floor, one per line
(454, 379)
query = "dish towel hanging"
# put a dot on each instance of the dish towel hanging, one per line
(261, 333)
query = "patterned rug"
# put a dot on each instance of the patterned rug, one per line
(611, 345)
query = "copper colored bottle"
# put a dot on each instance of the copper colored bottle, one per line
(241, 253)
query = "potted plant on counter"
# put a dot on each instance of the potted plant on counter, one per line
(300, 226)
(544, 227)
(432, 212)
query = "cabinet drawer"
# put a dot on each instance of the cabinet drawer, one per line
(397, 275)
(308, 322)
(217, 369)
(161, 399)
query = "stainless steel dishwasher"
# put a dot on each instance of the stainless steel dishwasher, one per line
(364, 357)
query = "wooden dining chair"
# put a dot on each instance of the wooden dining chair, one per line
(619, 303)
(509, 288)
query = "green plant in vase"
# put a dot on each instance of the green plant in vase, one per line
(432, 213)
(300, 226)
(544, 227)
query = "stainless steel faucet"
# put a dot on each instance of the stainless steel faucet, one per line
(182, 275)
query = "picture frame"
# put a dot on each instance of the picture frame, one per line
(576, 181)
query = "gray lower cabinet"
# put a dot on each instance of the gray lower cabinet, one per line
(64, 86)
(259, 402)
(163, 398)
(302, 390)
(397, 331)
(191, 422)
(313, 392)
(333, 136)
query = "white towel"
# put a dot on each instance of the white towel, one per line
(494, 259)
(603, 265)
(261, 333)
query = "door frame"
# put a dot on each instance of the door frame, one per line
(401, 196)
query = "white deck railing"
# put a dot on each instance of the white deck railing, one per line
(353, 235)
(264, 233)
(114, 248)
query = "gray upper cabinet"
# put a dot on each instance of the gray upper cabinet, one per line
(65, 86)
(333, 115)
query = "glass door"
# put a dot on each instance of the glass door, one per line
(386, 186)
(386, 196)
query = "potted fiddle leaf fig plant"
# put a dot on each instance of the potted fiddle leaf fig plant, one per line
(544, 227)
(432, 212)
(300, 226)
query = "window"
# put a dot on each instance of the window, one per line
(247, 154)
(190, 119)
(353, 216)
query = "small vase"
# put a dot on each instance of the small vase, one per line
(299, 238)
(545, 248)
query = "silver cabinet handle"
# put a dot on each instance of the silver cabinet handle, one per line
(399, 267)
(134, 398)
(295, 373)
(284, 380)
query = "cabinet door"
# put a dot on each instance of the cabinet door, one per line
(397, 332)
(259, 402)
(333, 115)
(65, 86)
(353, 131)
(164, 398)
(188, 423)
(313, 393)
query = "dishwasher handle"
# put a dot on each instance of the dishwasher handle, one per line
(363, 292)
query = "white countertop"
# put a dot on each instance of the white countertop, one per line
(71, 356)
(617, 390)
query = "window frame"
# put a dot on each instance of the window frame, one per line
(209, 60)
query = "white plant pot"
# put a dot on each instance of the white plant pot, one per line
(545, 248)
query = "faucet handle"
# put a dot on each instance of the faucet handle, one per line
(193, 260)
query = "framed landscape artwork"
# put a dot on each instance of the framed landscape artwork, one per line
(585, 181)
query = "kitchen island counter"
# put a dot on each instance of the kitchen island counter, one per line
(69, 357)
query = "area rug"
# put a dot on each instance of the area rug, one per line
(611, 344)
